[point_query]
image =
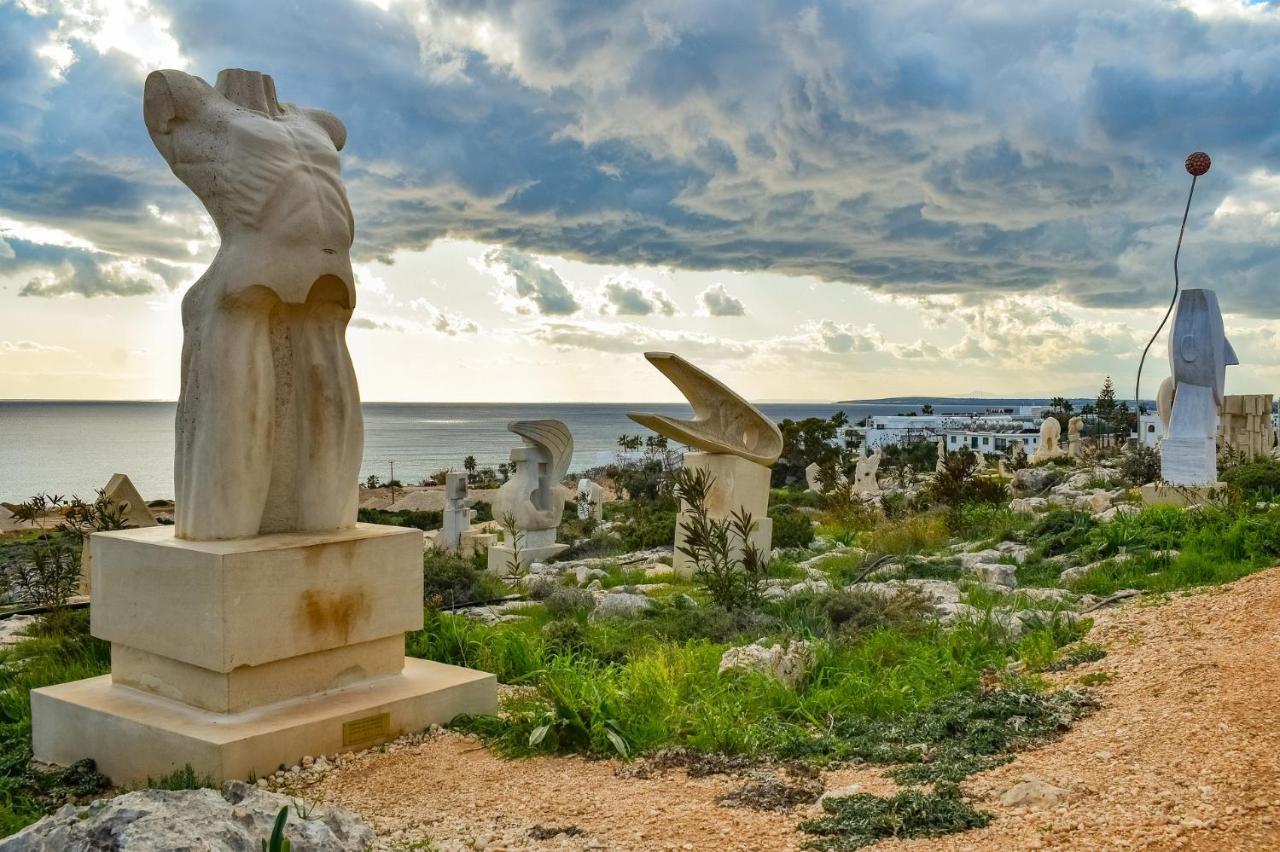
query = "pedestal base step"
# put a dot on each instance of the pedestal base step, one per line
(133, 736)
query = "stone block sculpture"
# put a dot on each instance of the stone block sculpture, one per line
(530, 503)
(1245, 425)
(1189, 399)
(267, 624)
(457, 517)
(734, 442)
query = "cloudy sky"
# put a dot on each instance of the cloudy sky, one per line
(813, 200)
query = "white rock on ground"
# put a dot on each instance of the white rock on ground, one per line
(621, 605)
(1028, 504)
(1034, 793)
(998, 574)
(789, 665)
(237, 819)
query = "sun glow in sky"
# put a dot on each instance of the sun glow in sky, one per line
(813, 201)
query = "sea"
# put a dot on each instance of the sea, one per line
(73, 448)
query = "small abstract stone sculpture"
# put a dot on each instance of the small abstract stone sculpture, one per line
(864, 477)
(457, 517)
(1199, 354)
(941, 464)
(1075, 429)
(269, 429)
(532, 500)
(1050, 432)
(590, 500)
(738, 445)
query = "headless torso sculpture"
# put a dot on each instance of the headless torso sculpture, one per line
(269, 430)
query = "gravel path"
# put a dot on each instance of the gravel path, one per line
(1185, 753)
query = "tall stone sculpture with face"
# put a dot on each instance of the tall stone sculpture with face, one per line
(1189, 400)
(269, 430)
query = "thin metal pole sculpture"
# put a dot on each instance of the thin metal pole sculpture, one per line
(1196, 164)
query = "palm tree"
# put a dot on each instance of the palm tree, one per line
(927, 408)
(469, 464)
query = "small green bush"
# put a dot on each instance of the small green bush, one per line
(450, 580)
(791, 528)
(1257, 480)
(853, 613)
(863, 819)
(1141, 464)
(424, 520)
(567, 602)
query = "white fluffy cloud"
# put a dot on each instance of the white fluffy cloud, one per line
(716, 302)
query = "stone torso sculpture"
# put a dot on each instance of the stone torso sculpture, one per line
(1050, 432)
(269, 429)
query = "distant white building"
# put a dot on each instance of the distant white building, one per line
(885, 430)
(994, 439)
(1150, 430)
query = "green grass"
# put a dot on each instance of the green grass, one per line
(61, 650)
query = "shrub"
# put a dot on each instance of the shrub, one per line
(791, 528)
(959, 483)
(450, 580)
(1061, 531)
(1257, 480)
(423, 520)
(863, 819)
(567, 602)
(1141, 465)
(854, 612)
(920, 533)
(728, 565)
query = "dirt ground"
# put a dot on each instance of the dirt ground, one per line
(1184, 754)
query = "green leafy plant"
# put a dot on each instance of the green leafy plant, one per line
(728, 565)
(791, 528)
(278, 842)
(862, 819)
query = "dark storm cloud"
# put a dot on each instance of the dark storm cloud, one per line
(920, 148)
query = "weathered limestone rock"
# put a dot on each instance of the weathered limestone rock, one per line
(237, 819)
(1032, 792)
(1199, 354)
(1028, 504)
(269, 429)
(533, 498)
(1033, 480)
(621, 605)
(789, 666)
(739, 444)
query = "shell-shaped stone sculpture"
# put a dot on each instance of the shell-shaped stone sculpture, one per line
(723, 422)
(553, 437)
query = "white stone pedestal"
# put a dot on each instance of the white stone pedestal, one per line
(1181, 495)
(737, 485)
(535, 546)
(237, 656)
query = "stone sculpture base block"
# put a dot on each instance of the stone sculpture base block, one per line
(501, 556)
(1189, 461)
(133, 735)
(737, 485)
(1180, 495)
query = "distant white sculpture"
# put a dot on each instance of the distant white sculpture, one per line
(864, 477)
(269, 430)
(1189, 400)
(457, 517)
(1075, 429)
(1050, 432)
(590, 500)
(738, 445)
(533, 498)
(813, 477)
(941, 464)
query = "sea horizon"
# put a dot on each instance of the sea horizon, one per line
(74, 446)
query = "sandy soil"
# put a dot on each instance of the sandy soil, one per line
(1183, 754)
